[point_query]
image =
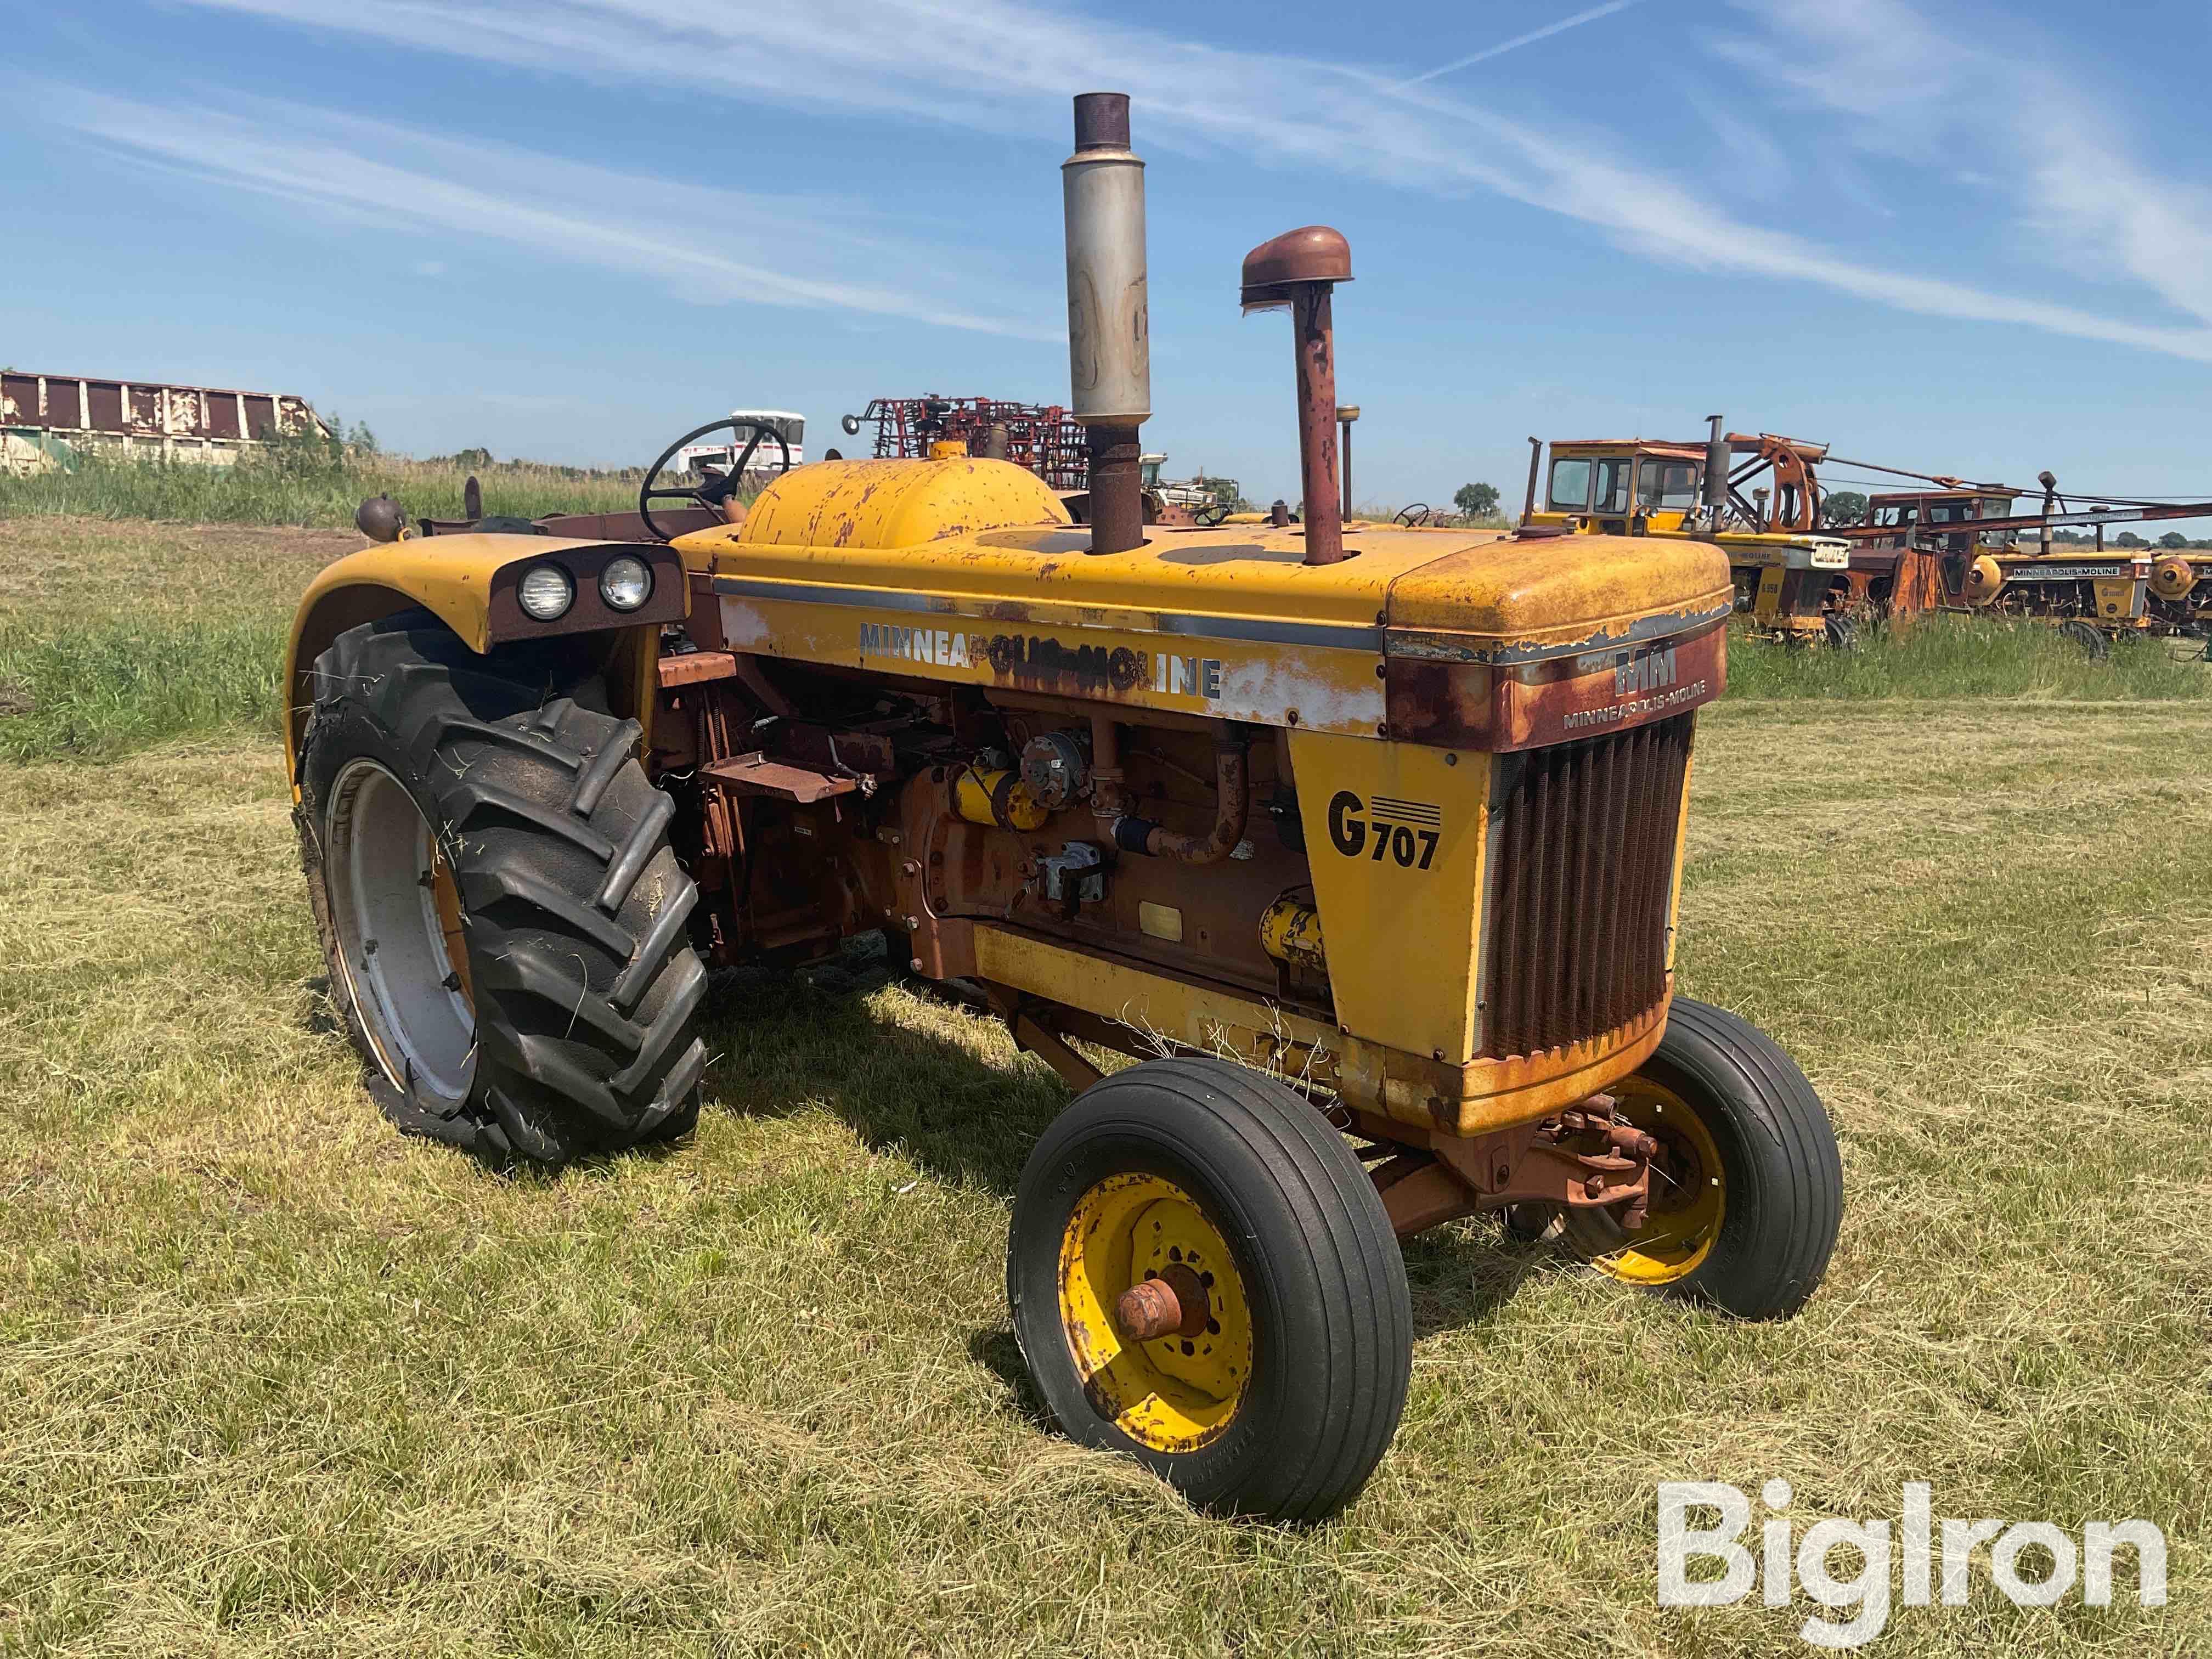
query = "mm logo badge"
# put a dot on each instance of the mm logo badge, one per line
(1645, 671)
(1406, 832)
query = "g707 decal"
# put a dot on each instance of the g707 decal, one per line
(1406, 831)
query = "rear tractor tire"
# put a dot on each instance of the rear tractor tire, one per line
(504, 920)
(1202, 1277)
(1746, 1192)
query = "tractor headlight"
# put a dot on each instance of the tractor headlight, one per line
(546, 592)
(626, 583)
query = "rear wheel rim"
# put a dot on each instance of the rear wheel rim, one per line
(1688, 1188)
(397, 914)
(1176, 1393)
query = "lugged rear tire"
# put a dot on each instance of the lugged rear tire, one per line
(576, 991)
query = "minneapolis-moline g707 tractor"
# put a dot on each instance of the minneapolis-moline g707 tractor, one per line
(1377, 831)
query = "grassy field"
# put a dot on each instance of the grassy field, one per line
(303, 483)
(273, 1380)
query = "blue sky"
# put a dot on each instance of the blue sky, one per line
(1937, 236)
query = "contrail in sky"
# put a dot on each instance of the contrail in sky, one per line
(1518, 40)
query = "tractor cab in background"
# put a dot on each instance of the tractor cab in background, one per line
(1903, 513)
(1794, 581)
(1603, 487)
(762, 462)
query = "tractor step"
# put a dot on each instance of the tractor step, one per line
(693, 666)
(756, 774)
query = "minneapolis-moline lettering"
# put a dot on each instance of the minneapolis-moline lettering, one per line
(1037, 661)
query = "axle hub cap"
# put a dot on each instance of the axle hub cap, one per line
(1155, 1311)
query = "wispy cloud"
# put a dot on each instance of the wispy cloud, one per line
(1521, 40)
(1992, 112)
(703, 244)
(1005, 67)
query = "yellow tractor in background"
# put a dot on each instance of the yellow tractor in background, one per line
(1375, 832)
(1790, 578)
(1958, 546)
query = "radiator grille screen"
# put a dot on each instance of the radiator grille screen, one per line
(1582, 855)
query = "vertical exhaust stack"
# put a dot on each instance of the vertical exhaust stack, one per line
(1719, 457)
(1110, 348)
(1296, 271)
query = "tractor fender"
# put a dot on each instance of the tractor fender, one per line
(467, 582)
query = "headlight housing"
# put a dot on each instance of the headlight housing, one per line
(626, 583)
(546, 592)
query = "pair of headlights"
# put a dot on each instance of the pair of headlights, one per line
(547, 591)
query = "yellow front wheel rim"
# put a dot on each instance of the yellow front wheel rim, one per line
(1175, 1393)
(1689, 1195)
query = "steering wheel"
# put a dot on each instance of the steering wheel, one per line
(1413, 517)
(1213, 512)
(715, 491)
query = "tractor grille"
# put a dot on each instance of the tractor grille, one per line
(1582, 866)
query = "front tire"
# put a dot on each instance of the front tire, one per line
(504, 920)
(1281, 1390)
(1747, 1189)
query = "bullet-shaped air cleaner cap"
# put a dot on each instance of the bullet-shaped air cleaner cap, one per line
(1312, 253)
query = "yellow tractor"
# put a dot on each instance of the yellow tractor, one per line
(1374, 833)
(1794, 583)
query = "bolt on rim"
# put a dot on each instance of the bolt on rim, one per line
(1156, 1312)
(397, 912)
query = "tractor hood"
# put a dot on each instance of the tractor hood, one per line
(1526, 599)
(963, 570)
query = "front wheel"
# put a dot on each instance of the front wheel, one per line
(1202, 1276)
(504, 922)
(1746, 1189)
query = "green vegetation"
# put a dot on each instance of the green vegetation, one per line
(1947, 656)
(307, 481)
(114, 637)
(100, 692)
(1476, 501)
(274, 1380)
(1840, 507)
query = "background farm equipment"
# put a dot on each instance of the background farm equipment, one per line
(1955, 547)
(47, 420)
(1046, 438)
(1971, 536)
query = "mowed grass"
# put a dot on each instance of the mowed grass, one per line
(274, 1380)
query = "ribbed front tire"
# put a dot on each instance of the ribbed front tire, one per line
(1281, 1393)
(538, 1000)
(1747, 1193)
